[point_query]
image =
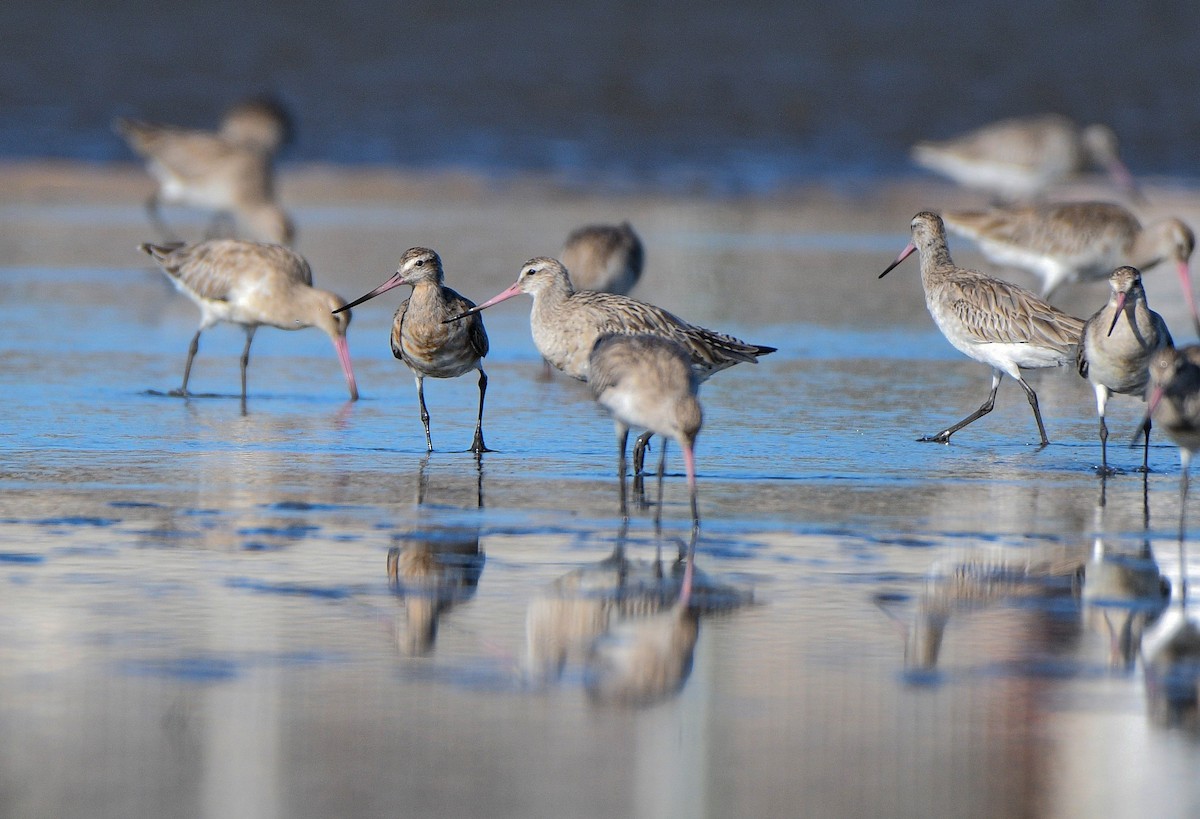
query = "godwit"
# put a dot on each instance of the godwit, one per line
(1022, 158)
(648, 382)
(566, 323)
(252, 284)
(230, 171)
(608, 258)
(994, 322)
(1174, 405)
(1114, 355)
(424, 337)
(1076, 240)
(604, 257)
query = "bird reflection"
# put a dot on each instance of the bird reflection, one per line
(632, 623)
(1172, 662)
(433, 569)
(967, 585)
(1122, 592)
(641, 660)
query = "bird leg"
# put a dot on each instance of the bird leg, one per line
(477, 445)
(1102, 395)
(1104, 470)
(425, 412)
(639, 451)
(187, 368)
(943, 437)
(1146, 446)
(246, 359)
(662, 468)
(622, 440)
(1033, 402)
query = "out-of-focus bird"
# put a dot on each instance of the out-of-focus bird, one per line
(230, 171)
(608, 258)
(1024, 157)
(1075, 241)
(252, 284)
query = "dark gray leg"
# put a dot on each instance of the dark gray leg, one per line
(477, 445)
(622, 440)
(246, 359)
(1104, 470)
(424, 412)
(1146, 446)
(639, 451)
(187, 368)
(943, 437)
(1037, 414)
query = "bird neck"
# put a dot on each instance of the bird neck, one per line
(935, 258)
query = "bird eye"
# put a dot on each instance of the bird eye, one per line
(531, 271)
(420, 262)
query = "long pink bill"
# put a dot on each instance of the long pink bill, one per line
(343, 354)
(689, 465)
(513, 290)
(909, 249)
(1185, 281)
(395, 281)
(1117, 315)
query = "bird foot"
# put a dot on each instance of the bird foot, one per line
(179, 392)
(1105, 471)
(940, 438)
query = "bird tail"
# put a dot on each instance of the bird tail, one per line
(144, 138)
(159, 252)
(734, 348)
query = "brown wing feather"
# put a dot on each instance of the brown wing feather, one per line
(213, 269)
(621, 314)
(457, 304)
(993, 311)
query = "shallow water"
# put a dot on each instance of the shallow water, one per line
(196, 616)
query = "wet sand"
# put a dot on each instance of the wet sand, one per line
(197, 619)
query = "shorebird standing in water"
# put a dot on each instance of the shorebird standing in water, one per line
(252, 284)
(604, 257)
(1174, 406)
(994, 322)
(1023, 157)
(1077, 241)
(608, 258)
(230, 171)
(648, 382)
(1115, 349)
(426, 339)
(566, 323)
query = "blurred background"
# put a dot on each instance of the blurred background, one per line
(726, 97)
